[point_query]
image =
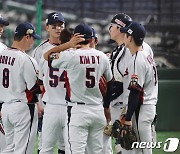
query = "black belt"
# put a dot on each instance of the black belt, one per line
(81, 103)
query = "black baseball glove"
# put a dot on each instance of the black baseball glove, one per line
(116, 129)
(128, 136)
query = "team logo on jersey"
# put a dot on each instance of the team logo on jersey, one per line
(126, 72)
(54, 56)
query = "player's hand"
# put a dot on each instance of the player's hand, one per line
(107, 114)
(127, 123)
(75, 40)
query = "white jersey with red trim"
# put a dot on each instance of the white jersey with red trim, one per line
(18, 72)
(53, 78)
(84, 68)
(142, 69)
(2, 47)
(120, 63)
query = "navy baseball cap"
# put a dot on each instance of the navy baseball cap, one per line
(54, 17)
(94, 34)
(26, 29)
(136, 30)
(121, 19)
(85, 30)
(3, 21)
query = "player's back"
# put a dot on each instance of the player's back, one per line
(14, 68)
(84, 68)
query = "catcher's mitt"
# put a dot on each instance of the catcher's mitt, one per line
(129, 136)
(116, 129)
(103, 86)
(108, 130)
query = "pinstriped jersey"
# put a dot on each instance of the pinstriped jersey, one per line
(84, 68)
(141, 69)
(18, 73)
(53, 78)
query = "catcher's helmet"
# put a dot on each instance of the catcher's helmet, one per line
(121, 19)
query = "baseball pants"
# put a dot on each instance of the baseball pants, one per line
(17, 121)
(53, 127)
(34, 124)
(84, 126)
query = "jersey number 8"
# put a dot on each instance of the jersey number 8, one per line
(5, 81)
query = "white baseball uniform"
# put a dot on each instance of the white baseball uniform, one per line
(2, 137)
(142, 69)
(18, 73)
(54, 96)
(85, 120)
(121, 60)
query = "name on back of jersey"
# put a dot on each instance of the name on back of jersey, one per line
(7, 60)
(89, 59)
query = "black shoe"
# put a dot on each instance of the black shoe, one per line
(38, 151)
(61, 151)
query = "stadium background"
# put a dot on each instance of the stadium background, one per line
(161, 19)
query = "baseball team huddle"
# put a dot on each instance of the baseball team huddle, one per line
(75, 96)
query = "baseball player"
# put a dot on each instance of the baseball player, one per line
(84, 66)
(3, 23)
(107, 141)
(140, 85)
(54, 84)
(119, 59)
(19, 85)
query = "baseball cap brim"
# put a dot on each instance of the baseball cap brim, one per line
(4, 22)
(37, 37)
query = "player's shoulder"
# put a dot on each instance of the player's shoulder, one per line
(2, 46)
(142, 56)
(148, 48)
(41, 46)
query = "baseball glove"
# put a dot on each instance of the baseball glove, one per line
(108, 130)
(129, 136)
(116, 129)
(103, 85)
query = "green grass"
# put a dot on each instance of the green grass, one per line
(161, 137)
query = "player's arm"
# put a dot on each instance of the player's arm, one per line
(136, 88)
(107, 98)
(73, 43)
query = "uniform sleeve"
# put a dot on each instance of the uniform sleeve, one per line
(63, 59)
(138, 75)
(108, 73)
(148, 48)
(30, 72)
